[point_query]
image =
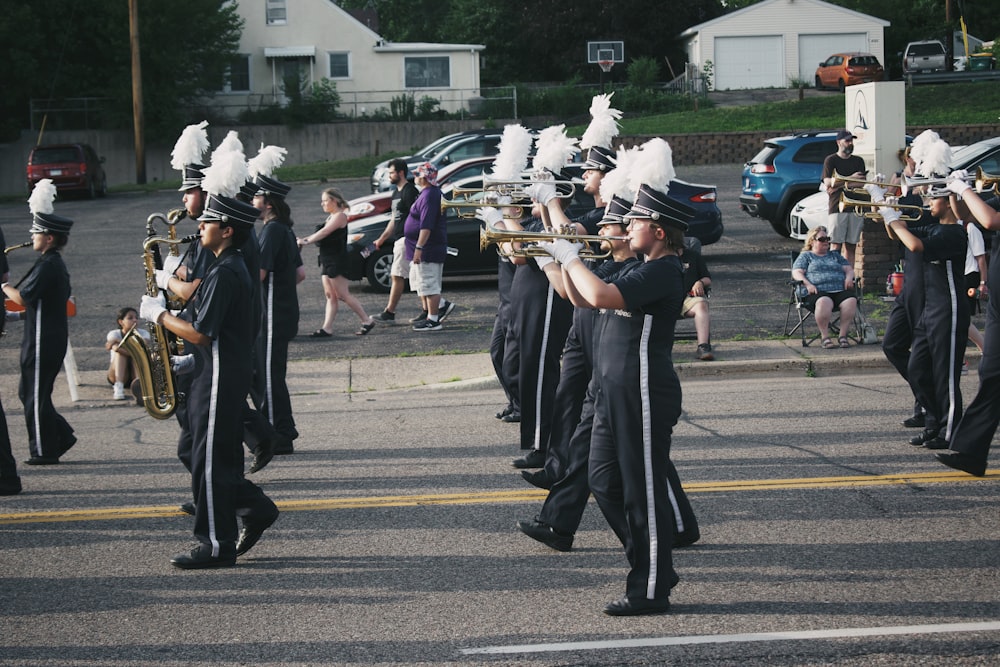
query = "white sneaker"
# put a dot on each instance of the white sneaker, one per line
(119, 391)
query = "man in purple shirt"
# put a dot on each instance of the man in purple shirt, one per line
(426, 248)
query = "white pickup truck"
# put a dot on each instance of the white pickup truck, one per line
(926, 56)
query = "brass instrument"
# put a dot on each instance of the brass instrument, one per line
(518, 188)
(11, 248)
(488, 235)
(872, 212)
(987, 182)
(860, 190)
(152, 361)
(467, 209)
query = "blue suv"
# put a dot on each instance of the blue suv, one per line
(785, 171)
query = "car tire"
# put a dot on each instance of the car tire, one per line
(841, 85)
(103, 190)
(91, 190)
(378, 270)
(782, 226)
(819, 83)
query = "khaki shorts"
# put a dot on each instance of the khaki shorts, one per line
(425, 278)
(690, 302)
(400, 265)
(844, 227)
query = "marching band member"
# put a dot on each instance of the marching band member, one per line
(637, 396)
(43, 293)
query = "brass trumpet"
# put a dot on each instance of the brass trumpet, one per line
(872, 212)
(987, 182)
(466, 209)
(519, 187)
(488, 235)
(860, 190)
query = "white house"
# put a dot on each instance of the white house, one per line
(775, 42)
(317, 39)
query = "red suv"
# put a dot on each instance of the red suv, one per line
(72, 167)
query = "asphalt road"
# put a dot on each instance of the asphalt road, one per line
(826, 539)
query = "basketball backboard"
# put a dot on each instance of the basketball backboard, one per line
(605, 51)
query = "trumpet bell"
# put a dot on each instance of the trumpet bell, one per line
(490, 235)
(986, 182)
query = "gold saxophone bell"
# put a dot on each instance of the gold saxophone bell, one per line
(489, 235)
(870, 210)
(987, 182)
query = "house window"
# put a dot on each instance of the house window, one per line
(276, 12)
(428, 72)
(340, 66)
(238, 75)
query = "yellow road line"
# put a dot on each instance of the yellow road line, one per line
(487, 497)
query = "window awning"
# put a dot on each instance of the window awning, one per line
(290, 52)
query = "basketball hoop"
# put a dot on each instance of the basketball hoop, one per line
(606, 65)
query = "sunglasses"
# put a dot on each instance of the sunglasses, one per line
(823, 239)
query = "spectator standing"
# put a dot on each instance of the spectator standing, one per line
(426, 249)
(403, 196)
(845, 228)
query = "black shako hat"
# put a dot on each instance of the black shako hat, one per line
(660, 208)
(271, 186)
(192, 177)
(614, 213)
(600, 159)
(230, 211)
(43, 223)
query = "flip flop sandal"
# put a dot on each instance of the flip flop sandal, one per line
(365, 328)
(844, 342)
(319, 333)
(827, 344)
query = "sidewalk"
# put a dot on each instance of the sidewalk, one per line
(475, 371)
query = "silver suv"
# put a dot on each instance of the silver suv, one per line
(926, 56)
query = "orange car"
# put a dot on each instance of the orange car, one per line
(847, 69)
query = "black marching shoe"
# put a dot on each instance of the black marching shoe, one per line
(962, 462)
(42, 461)
(503, 413)
(262, 455)
(282, 445)
(538, 478)
(511, 417)
(936, 443)
(252, 530)
(10, 486)
(187, 508)
(916, 421)
(637, 607)
(201, 558)
(546, 534)
(687, 538)
(535, 458)
(923, 437)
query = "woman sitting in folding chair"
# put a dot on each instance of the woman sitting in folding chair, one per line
(829, 281)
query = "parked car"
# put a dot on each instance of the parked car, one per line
(444, 151)
(848, 69)
(786, 170)
(380, 202)
(463, 232)
(72, 167)
(925, 56)
(812, 210)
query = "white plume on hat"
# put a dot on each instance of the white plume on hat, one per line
(268, 159)
(190, 146)
(512, 156)
(42, 197)
(604, 125)
(931, 154)
(654, 166)
(553, 149)
(228, 171)
(618, 181)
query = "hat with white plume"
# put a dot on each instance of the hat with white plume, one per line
(616, 187)
(223, 180)
(553, 149)
(187, 155)
(652, 175)
(601, 133)
(43, 219)
(262, 167)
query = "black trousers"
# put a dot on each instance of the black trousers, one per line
(8, 466)
(974, 432)
(277, 404)
(896, 344)
(49, 434)
(567, 404)
(564, 506)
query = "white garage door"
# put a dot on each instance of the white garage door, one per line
(814, 49)
(749, 62)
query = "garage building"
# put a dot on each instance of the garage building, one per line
(775, 43)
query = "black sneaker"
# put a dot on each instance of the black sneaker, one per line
(385, 316)
(419, 318)
(427, 325)
(704, 352)
(444, 310)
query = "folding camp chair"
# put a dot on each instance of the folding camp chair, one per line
(859, 330)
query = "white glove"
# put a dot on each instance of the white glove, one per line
(889, 215)
(182, 364)
(489, 215)
(542, 193)
(163, 278)
(152, 307)
(877, 193)
(171, 263)
(542, 262)
(562, 250)
(958, 182)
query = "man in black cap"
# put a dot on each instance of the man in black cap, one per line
(43, 293)
(845, 228)
(221, 334)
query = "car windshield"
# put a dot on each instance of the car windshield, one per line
(968, 154)
(54, 155)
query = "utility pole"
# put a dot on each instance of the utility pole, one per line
(137, 121)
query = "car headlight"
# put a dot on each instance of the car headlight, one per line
(356, 237)
(364, 208)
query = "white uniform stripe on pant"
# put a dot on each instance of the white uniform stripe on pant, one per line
(213, 407)
(268, 391)
(951, 351)
(647, 452)
(541, 369)
(38, 374)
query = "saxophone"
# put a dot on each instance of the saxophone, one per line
(152, 360)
